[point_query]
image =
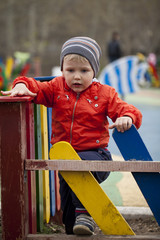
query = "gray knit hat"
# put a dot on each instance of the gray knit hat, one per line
(84, 46)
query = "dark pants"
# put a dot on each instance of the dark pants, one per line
(69, 201)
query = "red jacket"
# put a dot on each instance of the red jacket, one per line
(81, 119)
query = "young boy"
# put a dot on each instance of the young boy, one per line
(80, 109)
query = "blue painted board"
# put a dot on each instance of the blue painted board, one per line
(51, 173)
(132, 147)
(45, 78)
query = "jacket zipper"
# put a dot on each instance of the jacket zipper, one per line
(78, 94)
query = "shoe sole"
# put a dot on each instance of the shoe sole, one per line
(82, 230)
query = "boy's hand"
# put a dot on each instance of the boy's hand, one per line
(122, 124)
(20, 89)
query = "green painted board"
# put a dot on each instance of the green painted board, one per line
(39, 176)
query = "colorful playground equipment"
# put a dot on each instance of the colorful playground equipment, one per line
(148, 182)
(29, 179)
(91, 195)
(129, 73)
(13, 67)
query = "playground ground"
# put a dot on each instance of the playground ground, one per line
(140, 226)
(121, 187)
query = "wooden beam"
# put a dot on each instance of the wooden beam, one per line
(8, 99)
(114, 166)
(31, 174)
(93, 237)
(13, 151)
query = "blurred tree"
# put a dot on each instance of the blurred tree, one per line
(40, 27)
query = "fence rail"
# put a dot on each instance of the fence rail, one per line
(114, 166)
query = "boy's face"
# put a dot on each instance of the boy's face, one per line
(78, 75)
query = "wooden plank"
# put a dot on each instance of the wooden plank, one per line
(31, 174)
(94, 237)
(39, 174)
(58, 197)
(7, 99)
(13, 151)
(114, 166)
(51, 173)
(91, 195)
(46, 193)
(131, 146)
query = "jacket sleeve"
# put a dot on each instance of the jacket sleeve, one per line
(44, 90)
(118, 108)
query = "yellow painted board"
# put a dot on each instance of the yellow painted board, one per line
(46, 192)
(90, 193)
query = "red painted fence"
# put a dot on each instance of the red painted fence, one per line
(14, 180)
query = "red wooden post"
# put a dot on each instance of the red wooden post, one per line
(31, 174)
(13, 151)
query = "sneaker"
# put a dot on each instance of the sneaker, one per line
(84, 225)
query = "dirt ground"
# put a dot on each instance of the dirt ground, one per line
(146, 226)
